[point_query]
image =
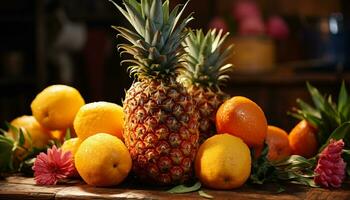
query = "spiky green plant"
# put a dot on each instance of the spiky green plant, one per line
(161, 122)
(204, 74)
(325, 115)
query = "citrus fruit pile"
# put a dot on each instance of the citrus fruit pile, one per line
(100, 156)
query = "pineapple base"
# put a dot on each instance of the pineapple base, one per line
(161, 131)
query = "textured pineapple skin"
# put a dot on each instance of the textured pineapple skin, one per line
(161, 131)
(207, 103)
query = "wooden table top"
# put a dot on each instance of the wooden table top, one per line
(24, 188)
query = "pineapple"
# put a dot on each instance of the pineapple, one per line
(204, 73)
(161, 122)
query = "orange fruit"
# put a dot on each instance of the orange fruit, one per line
(243, 118)
(56, 106)
(60, 134)
(99, 117)
(39, 136)
(33, 131)
(223, 162)
(303, 140)
(71, 145)
(103, 160)
(278, 144)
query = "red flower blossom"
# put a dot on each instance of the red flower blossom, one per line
(251, 26)
(277, 28)
(51, 167)
(330, 169)
(244, 9)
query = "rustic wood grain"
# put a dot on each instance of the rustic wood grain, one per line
(10, 191)
(25, 188)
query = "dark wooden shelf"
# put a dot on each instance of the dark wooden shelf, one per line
(289, 77)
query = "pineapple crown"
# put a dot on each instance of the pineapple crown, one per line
(205, 59)
(156, 38)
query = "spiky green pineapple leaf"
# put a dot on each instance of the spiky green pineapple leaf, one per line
(166, 10)
(135, 5)
(325, 106)
(155, 44)
(307, 108)
(313, 119)
(205, 60)
(343, 97)
(316, 96)
(344, 103)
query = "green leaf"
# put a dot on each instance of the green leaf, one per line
(21, 139)
(68, 135)
(331, 114)
(346, 157)
(296, 115)
(5, 155)
(346, 113)
(262, 168)
(9, 140)
(135, 4)
(166, 11)
(343, 98)
(205, 195)
(307, 181)
(316, 96)
(340, 133)
(297, 160)
(312, 119)
(13, 129)
(3, 131)
(307, 108)
(184, 189)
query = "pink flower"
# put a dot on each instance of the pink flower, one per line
(51, 167)
(277, 28)
(244, 9)
(330, 169)
(251, 26)
(218, 23)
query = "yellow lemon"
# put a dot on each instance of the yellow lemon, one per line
(103, 160)
(99, 117)
(223, 162)
(56, 106)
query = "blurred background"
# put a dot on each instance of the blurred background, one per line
(279, 45)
